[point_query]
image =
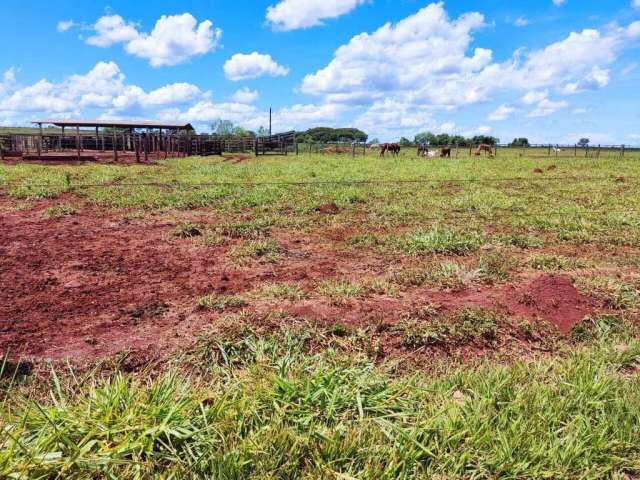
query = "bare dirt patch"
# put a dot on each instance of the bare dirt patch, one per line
(97, 282)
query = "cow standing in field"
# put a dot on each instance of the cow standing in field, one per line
(392, 148)
(423, 151)
(484, 148)
(445, 152)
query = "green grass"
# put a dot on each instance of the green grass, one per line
(448, 242)
(465, 326)
(264, 250)
(281, 291)
(285, 414)
(220, 302)
(63, 210)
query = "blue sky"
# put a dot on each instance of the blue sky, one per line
(550, 70)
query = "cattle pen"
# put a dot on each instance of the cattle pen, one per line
(130, 141)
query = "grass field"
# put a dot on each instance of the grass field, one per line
(321, 317)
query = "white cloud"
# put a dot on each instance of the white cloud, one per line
(102, 88)
(598, 78)
(245, 95)
(253, 65)
(424, 60)
(174, 39)
(65, 25)
(559, 3)
(534, 97)
(112, 29)
(295, 14)
(502, 113)
(521, 22)
(547, 107)
(635, 3)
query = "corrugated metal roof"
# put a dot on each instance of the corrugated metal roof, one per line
(115, 123)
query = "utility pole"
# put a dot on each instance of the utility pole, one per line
(269, 121)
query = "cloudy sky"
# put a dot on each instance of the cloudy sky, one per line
(550, 70)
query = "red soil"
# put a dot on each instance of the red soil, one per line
(93, 284)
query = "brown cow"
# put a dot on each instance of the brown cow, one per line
(392, 148)
(445, 152)
(484, 148)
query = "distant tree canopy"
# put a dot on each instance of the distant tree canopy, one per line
(520, 142)
(405, 142)
(584, 142)
(326, 134)
(428, 138)
(226, 128)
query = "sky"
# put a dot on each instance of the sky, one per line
(553, 71)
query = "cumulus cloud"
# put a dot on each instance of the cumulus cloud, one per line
(103, 88)
(429, 59)
(559, 3)
(245, 95)
(598, 78)
(635, 3)
(502, 113)
(65, 25)
(295, 14)
(253, 65)
(174, 39)
(521, 22)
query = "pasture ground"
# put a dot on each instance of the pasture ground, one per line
(321, 317)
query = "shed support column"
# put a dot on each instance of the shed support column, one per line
(97, 140)
(115, 145)
(62, 140)
(78, 141)
(40, 141)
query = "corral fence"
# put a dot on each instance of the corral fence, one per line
(85, 145)
(346, 148)
(541, 150)
(279, 144)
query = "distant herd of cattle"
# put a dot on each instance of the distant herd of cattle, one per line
(423, 150)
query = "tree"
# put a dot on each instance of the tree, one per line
(262, 132)
(480, 139)
(520, 142)
(223, 128)
(584, 142)
(405, 142)
(326, 134)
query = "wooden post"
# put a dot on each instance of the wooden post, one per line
(136, 145)
(62, 140)
(40, 141)
(97, 140)
(622, 151)
(115, 145)
(78, 146)
(575, 150)
(146, 146)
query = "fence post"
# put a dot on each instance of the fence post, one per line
(622, 151)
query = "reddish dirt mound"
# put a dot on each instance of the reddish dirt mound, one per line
(328, 209)
(553, 298)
